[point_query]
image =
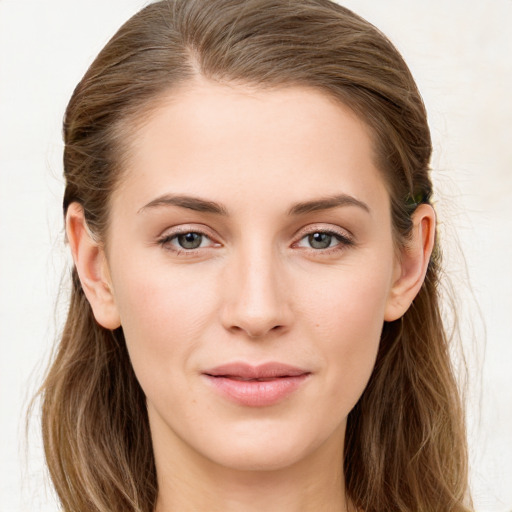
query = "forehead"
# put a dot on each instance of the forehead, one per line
(227, 141)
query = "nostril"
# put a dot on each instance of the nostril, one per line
(256, 313)
(254, 331)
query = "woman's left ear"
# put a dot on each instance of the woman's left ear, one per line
(413, 263)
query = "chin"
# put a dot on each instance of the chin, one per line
(266, 448)
(257, 459)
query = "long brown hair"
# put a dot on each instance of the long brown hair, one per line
(405, 447)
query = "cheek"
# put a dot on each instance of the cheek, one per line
(347, 303)
(163, 315)
(347, 319)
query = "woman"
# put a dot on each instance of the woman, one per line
(254, 321)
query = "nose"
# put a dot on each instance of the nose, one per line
(256, 302)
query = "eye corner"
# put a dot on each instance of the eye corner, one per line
(324, 243)
(187, 240)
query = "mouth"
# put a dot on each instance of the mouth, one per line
(256, 386)
(262, 379)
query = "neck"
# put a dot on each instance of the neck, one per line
(191, 483)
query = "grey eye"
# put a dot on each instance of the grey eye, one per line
(320, 240)
(190, 240)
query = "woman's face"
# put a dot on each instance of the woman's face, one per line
(252, 264)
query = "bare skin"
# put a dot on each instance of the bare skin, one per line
(251, 227)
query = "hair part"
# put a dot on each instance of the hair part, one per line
(405, 445)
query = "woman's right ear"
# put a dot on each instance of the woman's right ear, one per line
(92, 267)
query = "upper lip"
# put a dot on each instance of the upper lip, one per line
(261, 371)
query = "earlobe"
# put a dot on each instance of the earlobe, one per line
(91, 264)
(413, 264)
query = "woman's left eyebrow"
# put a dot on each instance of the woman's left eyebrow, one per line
(326, 203)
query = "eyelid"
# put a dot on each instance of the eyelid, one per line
(169, 233)
(191, 227)
(325, 228)
(345, 237)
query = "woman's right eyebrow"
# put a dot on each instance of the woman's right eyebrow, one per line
(189, 202)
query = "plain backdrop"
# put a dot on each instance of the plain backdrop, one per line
(461, 55)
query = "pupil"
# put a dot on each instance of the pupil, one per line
(320, 240)
(190, 240)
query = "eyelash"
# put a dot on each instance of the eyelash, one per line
(166, 241)
(344, 241)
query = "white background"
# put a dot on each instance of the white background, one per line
(461, 55)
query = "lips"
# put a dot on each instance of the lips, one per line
(256, 386)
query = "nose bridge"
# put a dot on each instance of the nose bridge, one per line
(255, 302)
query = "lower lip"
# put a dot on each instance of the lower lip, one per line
(254, 393)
